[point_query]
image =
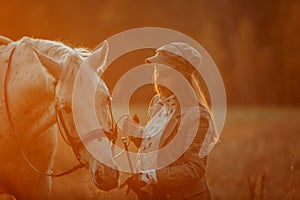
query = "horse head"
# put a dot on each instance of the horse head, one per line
(47, 90)
(105, 175)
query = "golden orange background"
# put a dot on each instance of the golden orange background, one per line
(256, 46)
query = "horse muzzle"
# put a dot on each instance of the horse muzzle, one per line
(106, 178)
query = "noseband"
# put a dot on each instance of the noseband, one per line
(76, 142)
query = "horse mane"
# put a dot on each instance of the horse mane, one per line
(67, 55)
(70, 58)
(57, 50)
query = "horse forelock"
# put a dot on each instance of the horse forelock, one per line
(65, 84)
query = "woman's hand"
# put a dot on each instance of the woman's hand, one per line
(132, 128)
(141, 182)
(134, 183)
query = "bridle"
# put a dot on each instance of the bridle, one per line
(74, 142)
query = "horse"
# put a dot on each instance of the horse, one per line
(36, 84)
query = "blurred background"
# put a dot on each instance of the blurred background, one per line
(256, 46)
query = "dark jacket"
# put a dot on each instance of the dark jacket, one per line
(184, 178)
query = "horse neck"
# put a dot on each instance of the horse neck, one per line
(31, 89)
(30, 98)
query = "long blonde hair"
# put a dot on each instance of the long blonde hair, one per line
(200, 92)
(197, 84)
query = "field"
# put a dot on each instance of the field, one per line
(257, 158)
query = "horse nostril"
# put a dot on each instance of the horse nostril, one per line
(106, 178)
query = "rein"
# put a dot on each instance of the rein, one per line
(62, 128)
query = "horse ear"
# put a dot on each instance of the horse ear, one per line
(98, 59)
(4, 40)
(53, 67)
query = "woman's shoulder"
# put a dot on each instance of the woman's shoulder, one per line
(154, 100)
(154, 106)
(199, 111)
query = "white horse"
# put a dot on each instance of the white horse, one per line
(36, 83)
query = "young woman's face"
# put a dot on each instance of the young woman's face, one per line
(163, 80)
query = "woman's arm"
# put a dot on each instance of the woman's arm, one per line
(189, 167)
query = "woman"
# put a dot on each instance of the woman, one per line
(183, 177)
